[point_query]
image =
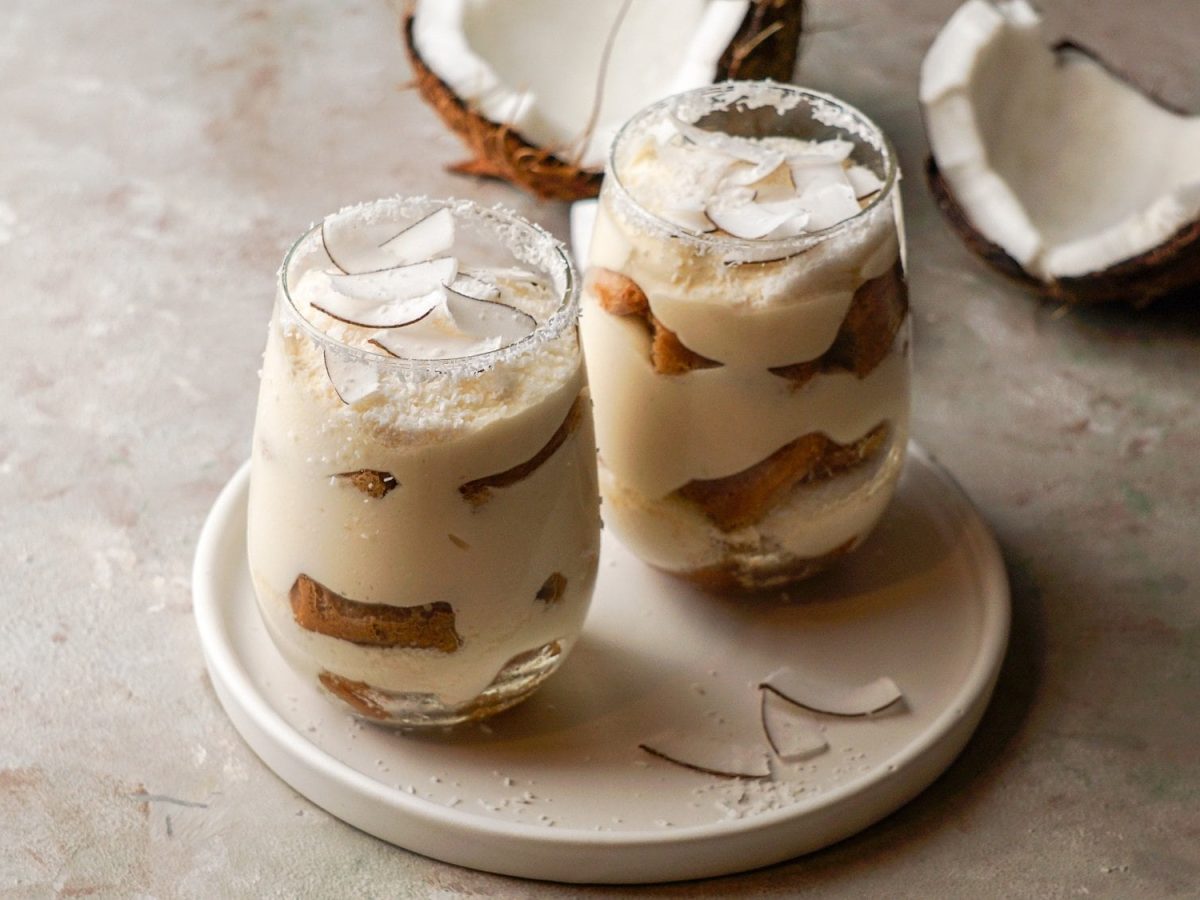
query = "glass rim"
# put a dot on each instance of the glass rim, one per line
(784, 246)
(562, 317)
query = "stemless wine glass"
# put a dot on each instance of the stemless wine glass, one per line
(751, 393)
(424, 532)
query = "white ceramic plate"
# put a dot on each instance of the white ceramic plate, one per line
(558, 787)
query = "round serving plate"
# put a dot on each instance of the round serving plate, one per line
(560, 787)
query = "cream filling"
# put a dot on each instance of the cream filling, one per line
(732, 417)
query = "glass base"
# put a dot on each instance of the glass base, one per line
(519, 678)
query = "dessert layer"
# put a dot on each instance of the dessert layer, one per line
(814, 520)
(864, 337)
(744, 498)
(455, 676)
(732, 417)
(747, 313)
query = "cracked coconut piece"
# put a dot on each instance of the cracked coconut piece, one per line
(427, 627)
(620, 295)
(478, 491)
(866, 334)
(745, 497)
(371, 482)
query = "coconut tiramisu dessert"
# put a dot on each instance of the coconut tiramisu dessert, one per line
(423, 522)
(745, 324)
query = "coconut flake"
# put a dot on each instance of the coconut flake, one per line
(352, 245)
(400, 282)
(744, 149)
(709, 756)
(832, 699)
(792, 738)
(806, 178)
(355, 246)
(352, 379)
(748, 221)
(864, 181)
(485, 319)
(514, 273)
(436, 336)
(690, 218)
(435, 346)
(753, 188)
(750, 174)
(423, 240)
(777, 185)
(392, 314)
(829, 204)
(475, 287)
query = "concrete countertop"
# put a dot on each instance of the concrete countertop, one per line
(155, 161)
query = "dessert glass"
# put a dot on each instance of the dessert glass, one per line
(751, 395)
(423, 534)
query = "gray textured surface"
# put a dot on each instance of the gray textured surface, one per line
(156, 158)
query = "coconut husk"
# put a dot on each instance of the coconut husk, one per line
(1173, 265)
(765, 46)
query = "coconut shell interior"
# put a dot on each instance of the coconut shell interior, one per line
(1171, 267)
(764, 46)
(1096, 218)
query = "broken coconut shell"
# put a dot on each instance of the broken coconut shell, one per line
(1172, 266)
(1033, 222)
(764, 46)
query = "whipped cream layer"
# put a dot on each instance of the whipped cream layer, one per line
(423, 542)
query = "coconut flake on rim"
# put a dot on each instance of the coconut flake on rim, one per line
(1049, 156)
(750, 188)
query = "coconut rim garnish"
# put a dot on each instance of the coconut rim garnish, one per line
(505, 228)
(824, 108)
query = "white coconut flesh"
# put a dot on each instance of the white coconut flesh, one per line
(536, 65)
(1061, 163)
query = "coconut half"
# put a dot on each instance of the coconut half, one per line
(1054, 168)
(537, 89)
